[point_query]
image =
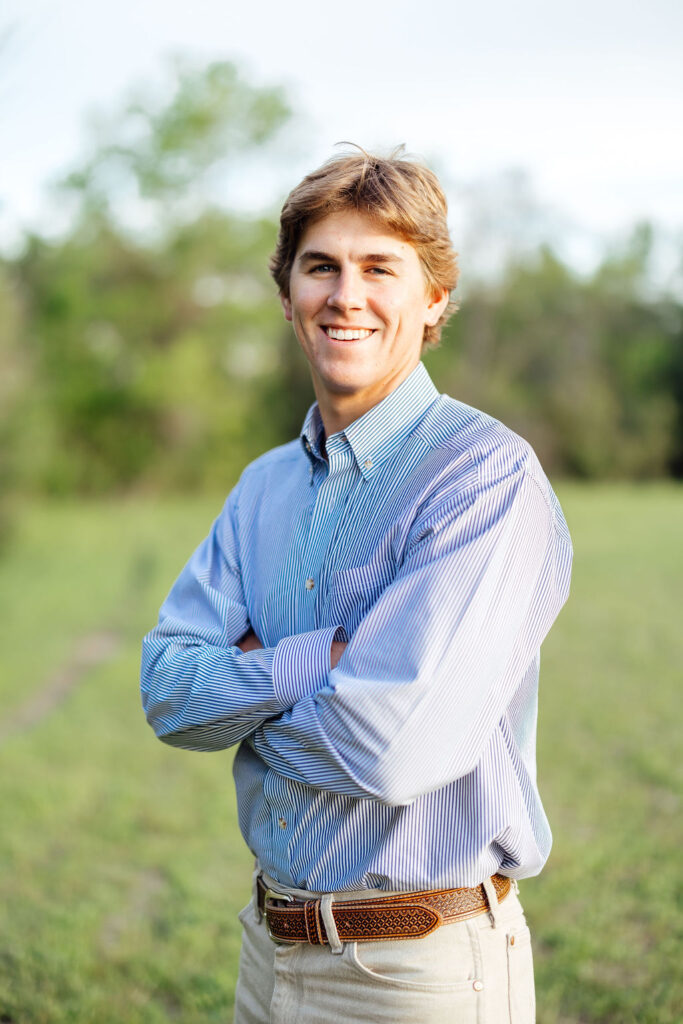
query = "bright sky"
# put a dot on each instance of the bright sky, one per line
(585, 97)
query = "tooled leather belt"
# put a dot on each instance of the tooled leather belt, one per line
(409, 915)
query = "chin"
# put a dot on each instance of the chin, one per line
(346, 385)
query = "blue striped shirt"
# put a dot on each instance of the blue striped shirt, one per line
(431, 539)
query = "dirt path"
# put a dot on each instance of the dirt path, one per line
(91, 650)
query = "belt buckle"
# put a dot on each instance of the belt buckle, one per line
(286, 898)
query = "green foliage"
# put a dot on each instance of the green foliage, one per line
(152, 355)
(121, 864)
(148, 363)
(159, 358)
(582, 368)
(166, 150)
(14, 384)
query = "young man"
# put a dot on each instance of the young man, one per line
(364, 619)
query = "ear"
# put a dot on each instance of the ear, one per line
(436, 306)
(286, 306)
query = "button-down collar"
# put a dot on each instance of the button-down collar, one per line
(382, 429)
(312, 434)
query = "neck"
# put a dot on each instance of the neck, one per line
(338, 415)
(339, 409)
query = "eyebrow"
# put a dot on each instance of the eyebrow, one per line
(312, 255)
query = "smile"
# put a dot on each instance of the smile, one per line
(359, 334)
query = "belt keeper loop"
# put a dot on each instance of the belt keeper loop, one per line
(336, 945)
(312, 921)
(492, 899)
(254, 894)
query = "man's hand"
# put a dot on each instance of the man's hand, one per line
(338, 648)
(249, 642)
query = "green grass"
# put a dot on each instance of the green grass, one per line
(121, 866)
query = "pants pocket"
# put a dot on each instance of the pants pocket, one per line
(521, 996)
(429, 980)
(444, 961)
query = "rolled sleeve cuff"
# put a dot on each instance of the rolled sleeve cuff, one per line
(302, 663)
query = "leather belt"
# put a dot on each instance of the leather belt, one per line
(409, 915)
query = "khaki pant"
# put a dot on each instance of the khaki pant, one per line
(471, 972)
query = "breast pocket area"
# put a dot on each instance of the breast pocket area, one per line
(353, 592)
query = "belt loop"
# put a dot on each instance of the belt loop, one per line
(492, 899)
(254, 893)
(336, 945)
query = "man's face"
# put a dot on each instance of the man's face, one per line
(358, 302)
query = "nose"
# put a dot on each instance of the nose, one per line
(348, 292)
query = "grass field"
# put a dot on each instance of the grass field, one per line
(121, 866)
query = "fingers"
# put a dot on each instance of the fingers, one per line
(338, 648)
(249, 642)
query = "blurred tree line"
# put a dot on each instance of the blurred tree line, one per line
(159, 358)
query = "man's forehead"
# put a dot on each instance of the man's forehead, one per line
(354, 234)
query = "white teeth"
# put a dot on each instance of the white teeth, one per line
(338, 335)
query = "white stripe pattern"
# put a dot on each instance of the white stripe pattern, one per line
(431, 539)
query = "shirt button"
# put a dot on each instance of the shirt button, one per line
(282, 823)
(368, 463)
(310, 583)
(477, 985)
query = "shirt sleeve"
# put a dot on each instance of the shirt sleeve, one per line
(431, 669)
(199, 691)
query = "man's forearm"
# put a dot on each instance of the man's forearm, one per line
(206, 696)
(250, 642)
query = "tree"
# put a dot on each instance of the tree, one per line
(582, 368)
(159, 161)
(150, 340)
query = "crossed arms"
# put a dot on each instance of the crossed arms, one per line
(438, 656)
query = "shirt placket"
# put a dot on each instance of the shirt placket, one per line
(338, 476)
(333, 481)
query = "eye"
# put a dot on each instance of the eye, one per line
(322, 268)
(379, 271)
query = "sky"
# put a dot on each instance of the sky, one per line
(580, 106)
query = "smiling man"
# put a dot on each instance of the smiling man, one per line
(358, 301)
(364, 620)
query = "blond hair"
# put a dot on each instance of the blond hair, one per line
(404, 196)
